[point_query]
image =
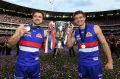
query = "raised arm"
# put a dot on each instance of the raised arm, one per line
(70, 39)
(20, 31)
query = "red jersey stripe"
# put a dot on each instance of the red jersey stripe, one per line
(91, 44)
(28, 43)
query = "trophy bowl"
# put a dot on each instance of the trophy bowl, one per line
(61, 27)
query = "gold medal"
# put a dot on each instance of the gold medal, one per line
(83, 46)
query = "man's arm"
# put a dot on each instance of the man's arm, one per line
(13, 40)
(20, 31)
(105, 46)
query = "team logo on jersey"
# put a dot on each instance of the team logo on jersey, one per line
(88, 34)
(39, 35)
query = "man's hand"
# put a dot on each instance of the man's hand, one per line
(69, 29)
(51, 25)
(21, 30)
(109, 66)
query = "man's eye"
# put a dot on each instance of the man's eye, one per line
(80, 17)
(40, 17)
(34, 15)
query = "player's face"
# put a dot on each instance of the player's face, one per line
(37, 18)
(79, 19)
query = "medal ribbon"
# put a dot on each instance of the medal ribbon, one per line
(83, 36)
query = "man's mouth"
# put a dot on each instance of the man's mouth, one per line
(37, 20)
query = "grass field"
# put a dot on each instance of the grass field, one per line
(61, 67)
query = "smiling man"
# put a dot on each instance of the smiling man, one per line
(30, 39)
(88, 37)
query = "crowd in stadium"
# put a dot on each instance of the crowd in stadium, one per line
(4, 50)
(14, 19)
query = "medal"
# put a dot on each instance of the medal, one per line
(83, 46)
(83, 37)
(28, 28)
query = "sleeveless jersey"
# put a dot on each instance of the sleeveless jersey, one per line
(89, 55)
(29, 45)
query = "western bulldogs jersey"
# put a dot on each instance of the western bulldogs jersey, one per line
(90, 54)
(29, 45)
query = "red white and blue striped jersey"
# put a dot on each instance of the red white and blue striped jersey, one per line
(29, 46)
(89, 55)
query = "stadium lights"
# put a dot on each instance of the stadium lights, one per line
(93, 16)
(88, 16)
(55, 16)
(117, 13)
(47, 15)
(51, 2)
(110, 14)
(101, 15)
(65, 16)
(59, 16)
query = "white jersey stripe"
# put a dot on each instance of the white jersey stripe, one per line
(89, 49)
(28, 49)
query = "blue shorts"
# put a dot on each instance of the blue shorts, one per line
(92, 72)
(24, 72)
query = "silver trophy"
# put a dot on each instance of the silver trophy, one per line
(61, 27)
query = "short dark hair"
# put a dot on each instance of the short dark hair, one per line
(37, 12)
(79, 12)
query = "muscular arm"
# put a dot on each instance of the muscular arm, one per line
(20, 31)
(13, 40)
(104, 43)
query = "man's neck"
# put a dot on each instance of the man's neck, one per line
(82, 26)
(35, 24)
